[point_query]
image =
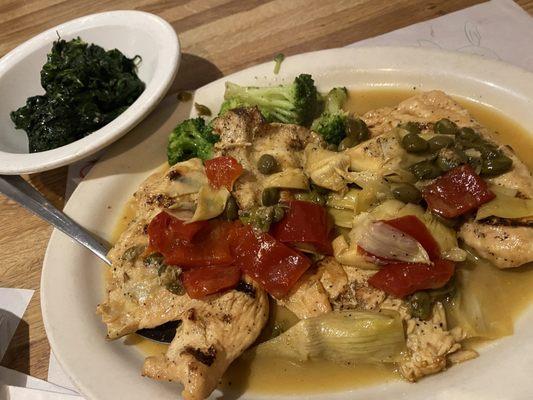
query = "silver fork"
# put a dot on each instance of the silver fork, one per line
(17, 189)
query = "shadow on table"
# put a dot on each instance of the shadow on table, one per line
(17, 348)
(194, 72)
(151, 135)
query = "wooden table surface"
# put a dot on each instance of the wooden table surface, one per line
(217, 37)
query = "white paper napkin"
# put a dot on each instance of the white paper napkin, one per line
(13, 304)
(498, 29)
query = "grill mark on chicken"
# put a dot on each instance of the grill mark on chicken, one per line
(246, 288)
(205, 357)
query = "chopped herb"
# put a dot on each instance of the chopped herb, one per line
(278, 60)
(86, 87)
(202, 110)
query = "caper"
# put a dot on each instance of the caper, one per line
(448, 159)
(467, 135)
(438, 142)
(445, 127)
(425, 170)
(313, 196)
(414, 143)
(133, 252)
(231, 210)
(175, 287)
(357, 128)
(270, 196)
(443, 292)
(412, 127)
(154, 260)
(495, 166)
(407, 193)
(279, 213)
(449, 222)
(347, 142)
(420, 305)
(267, 164)
(202, 110)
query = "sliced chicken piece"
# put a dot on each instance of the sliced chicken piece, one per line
(357, 294)
(135, 297)
(429, 343)
(503, 245)
(308, 298)
(425, 108)
(332, 276)
(239, 129)
(178, 184)
(212, 334)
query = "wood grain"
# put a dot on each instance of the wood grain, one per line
(217, 37)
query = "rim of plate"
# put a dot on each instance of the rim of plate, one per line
(326, 66)
(167, 66)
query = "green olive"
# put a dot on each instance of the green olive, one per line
(347, 142)
(357, 128)
(407, 193)
(270, 196)
(412, 127)
(420, 305)
(439, 142)
(413, 143)
(231, 210)
(267, 164)
(425, 170)
(496, 166)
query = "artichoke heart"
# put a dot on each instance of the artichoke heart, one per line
(341, 336)
(505, 205)
(326, 168)
(290, 178)
(211, 203)
(186, 177)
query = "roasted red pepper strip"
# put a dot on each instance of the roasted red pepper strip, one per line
(457, 192)
(206, 243)
(203, 281)
(223, 171)
(274, 265)
(403, 279)
(165, 231)
(305, 223)
(415, 228)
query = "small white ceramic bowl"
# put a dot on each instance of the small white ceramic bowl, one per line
(132, 32)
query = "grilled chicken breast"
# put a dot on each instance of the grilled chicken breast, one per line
(213, 332)
(245, 136)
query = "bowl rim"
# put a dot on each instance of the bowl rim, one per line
(164, 74)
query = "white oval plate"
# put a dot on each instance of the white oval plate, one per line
(133, 33)
(72, 280)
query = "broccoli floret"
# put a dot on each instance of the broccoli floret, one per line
(191, 138)
(295, 103)
(333, 123)
(230, 104)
